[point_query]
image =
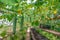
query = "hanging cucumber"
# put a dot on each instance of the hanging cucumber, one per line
(14, 23)
(21, 23)
(30, 18)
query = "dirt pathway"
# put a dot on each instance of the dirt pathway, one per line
(36, 36)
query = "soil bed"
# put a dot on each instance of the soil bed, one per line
(37, 36)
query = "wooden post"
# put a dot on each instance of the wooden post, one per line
(1, 38)
(28, 34)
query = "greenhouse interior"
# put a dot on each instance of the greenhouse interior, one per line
(29, 20)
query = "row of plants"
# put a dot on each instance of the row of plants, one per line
(7, 33)
(48, 35)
